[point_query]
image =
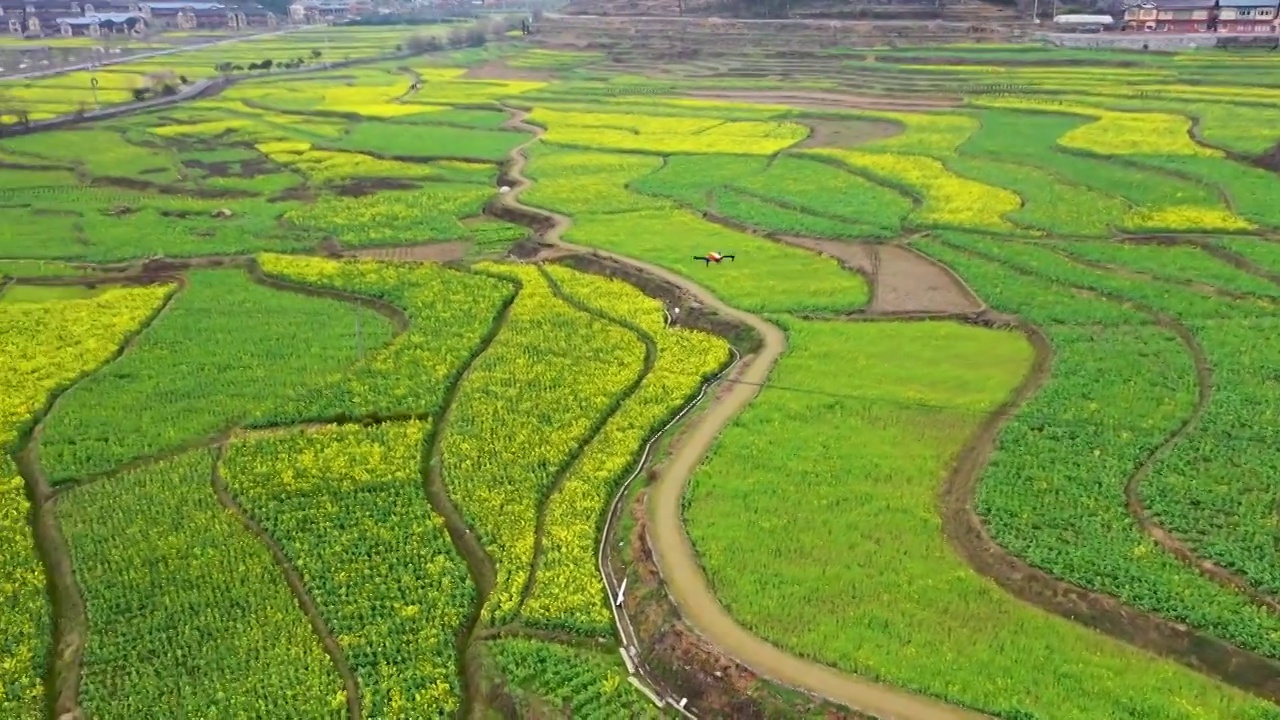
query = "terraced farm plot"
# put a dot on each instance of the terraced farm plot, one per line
(193, 614)
(246, 473)
(917, 616)
(225, 350)
(718, 185)
(583, 681)
(664, 238)
(346, 505)
(46, 347)
(948, 200)
(231, 176)
(582, 368)
(666, 134)
(566, 592)
(413, 374)
(397, 140)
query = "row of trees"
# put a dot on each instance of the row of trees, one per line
(226, 68)
(474, 36)
(160, 84)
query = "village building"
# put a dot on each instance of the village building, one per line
(1175, 16)
(1247, 16)
(253, 15)
(179, 15)
(32, 19)
(311, 12)
(1140, 17)
(38, 18)
(99, 24)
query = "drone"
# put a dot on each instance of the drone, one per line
(712, 257)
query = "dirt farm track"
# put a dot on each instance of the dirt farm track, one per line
(677, 561)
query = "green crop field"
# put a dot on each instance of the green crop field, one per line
(358, 391)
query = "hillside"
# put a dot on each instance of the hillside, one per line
(977, 11)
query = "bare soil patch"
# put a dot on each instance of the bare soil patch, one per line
(1270, 160)
(846, 133)
(907, 281)
(903, 281)
(498, 70)
(373, 186)
(433, 252)
(240, 168)
(859, 257)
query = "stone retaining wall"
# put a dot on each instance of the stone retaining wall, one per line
(1160, 42)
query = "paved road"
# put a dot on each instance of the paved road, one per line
(148, 54)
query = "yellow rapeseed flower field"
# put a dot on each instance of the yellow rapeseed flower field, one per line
(1189, 218)
(336, 166)
(948, 199)
(567, 592)
(667, 134)
(521, 414)
(43, 346)
(203, 129)
(428, 214)
(445, 86)
(1116, 132)
(564, 179)
(449, 311)
(375, 102)
(346, 503)
(926, 133)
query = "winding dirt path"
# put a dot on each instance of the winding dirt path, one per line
(676, 558)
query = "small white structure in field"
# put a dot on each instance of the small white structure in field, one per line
(504, 189)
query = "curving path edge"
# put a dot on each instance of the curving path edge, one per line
(673, 551)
